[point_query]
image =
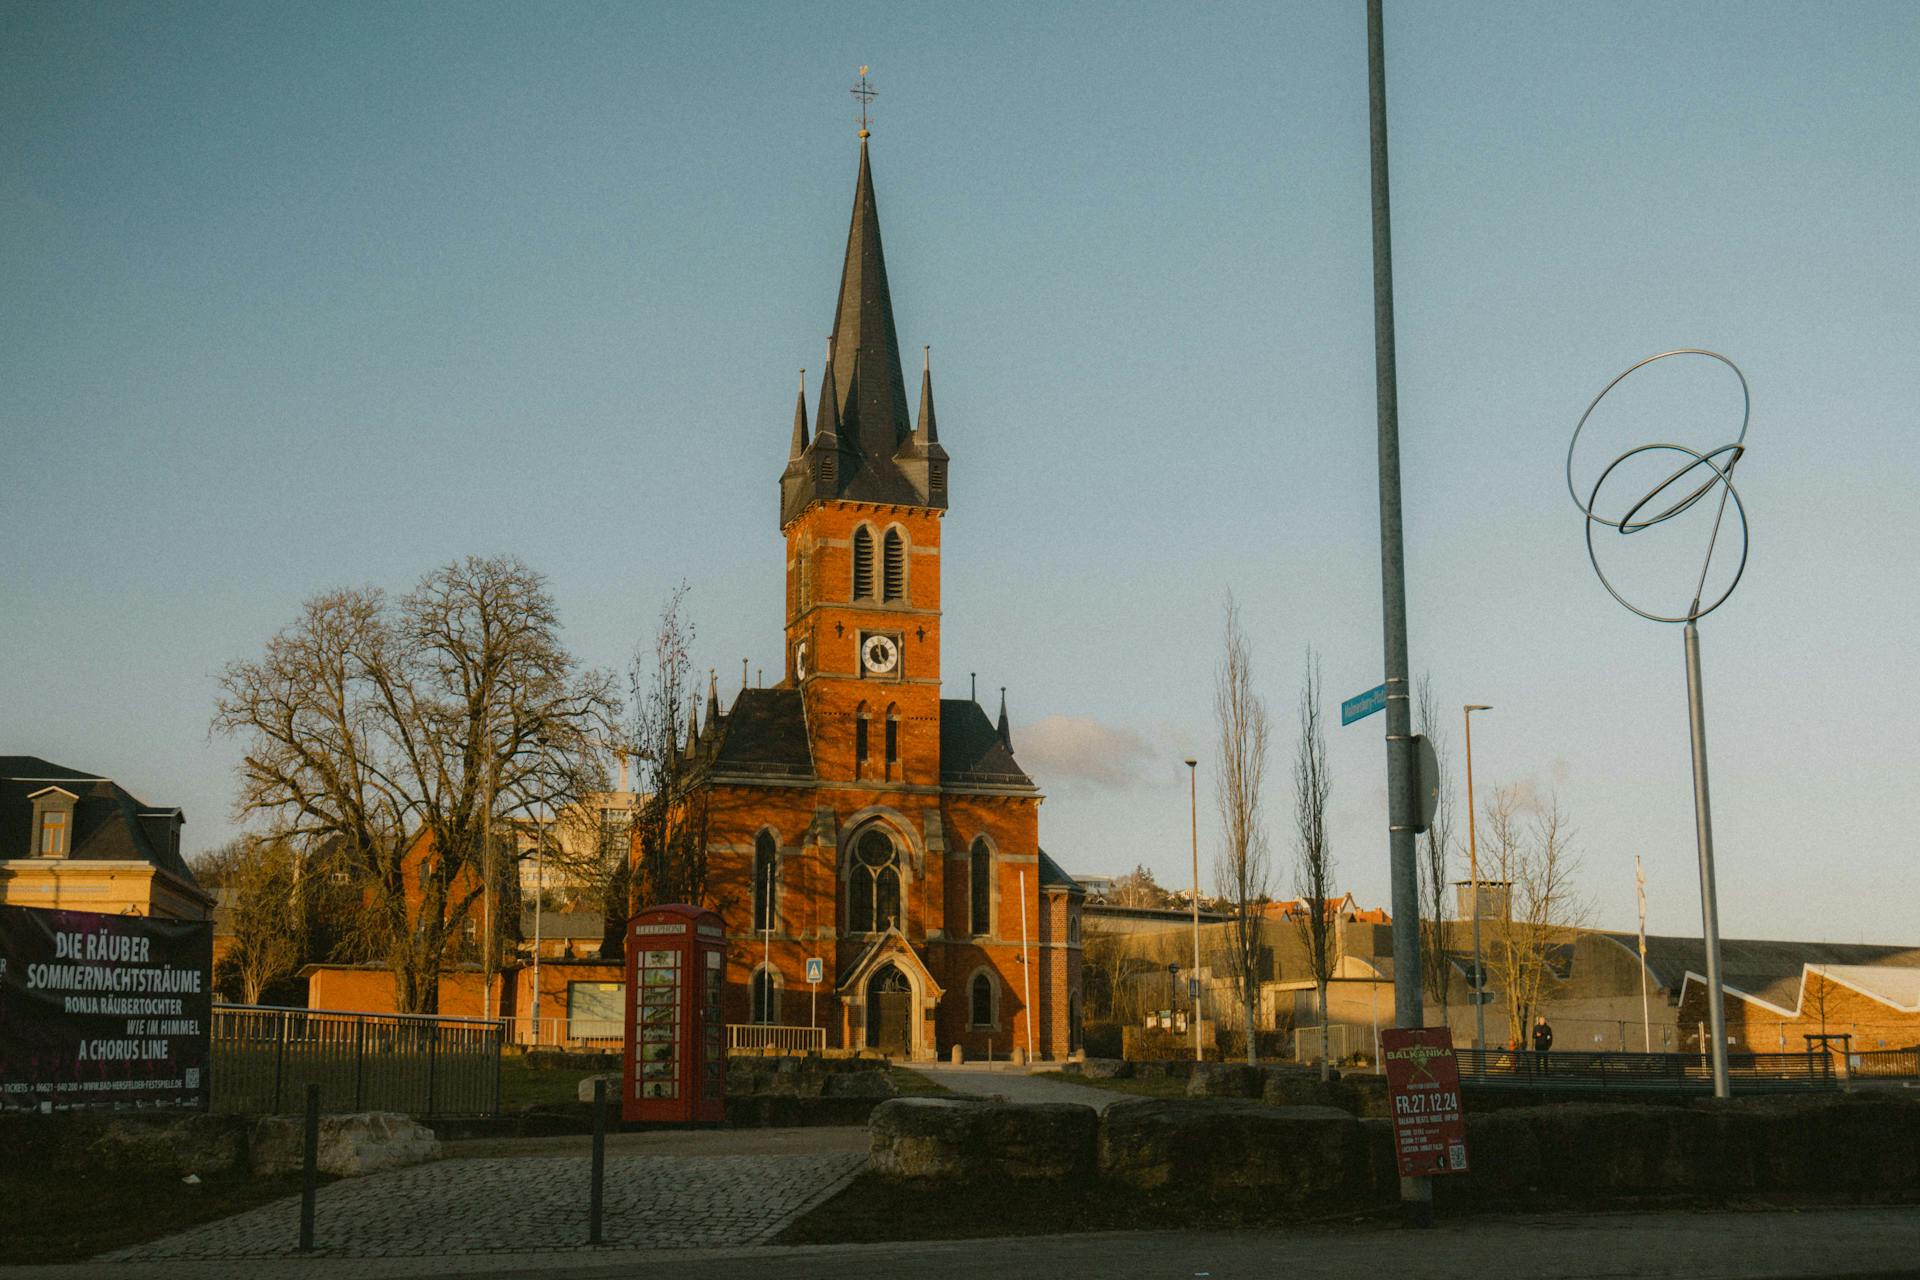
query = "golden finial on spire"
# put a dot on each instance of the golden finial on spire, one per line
(866, 94)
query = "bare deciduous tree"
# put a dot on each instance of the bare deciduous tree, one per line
(1435, 853)
(1139, 889)
(1241, 871)
(1313, 876)
(1528, 847)
(670, 828)
(394, 731)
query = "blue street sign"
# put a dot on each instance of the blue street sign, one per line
(816, 970)
(1193, 988)
(1363, 705)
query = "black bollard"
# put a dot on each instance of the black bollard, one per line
(309, 1168)
(594, 1214)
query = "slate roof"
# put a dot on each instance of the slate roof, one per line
(109, 825)
(863, 447)
(972, 750)
(764, 732)
(1052, 877)
(556, 926)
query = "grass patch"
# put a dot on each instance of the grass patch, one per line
(911, 1084)
(1157, 1087)
(70, 1217)
(525, 1086)
(873, 1210)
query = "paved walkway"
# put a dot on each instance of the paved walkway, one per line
(527, 1204)
(1769, 1244)
(1015, 1085)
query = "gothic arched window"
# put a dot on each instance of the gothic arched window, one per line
(765, 881)
(863, 563)
(981, 1000)
(980, 878)
(873, 883)
(766, 996)
(893, 566)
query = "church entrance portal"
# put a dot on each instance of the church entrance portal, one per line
(889, 1013)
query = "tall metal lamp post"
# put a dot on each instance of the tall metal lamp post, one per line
(1473, 881)
(1679, 492)
(1193, 813)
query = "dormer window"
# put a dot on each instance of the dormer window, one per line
(53, 823)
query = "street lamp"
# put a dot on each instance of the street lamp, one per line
(1473, 875)
(1193, 812)
(539, 904)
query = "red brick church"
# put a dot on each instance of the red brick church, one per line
(855, 815)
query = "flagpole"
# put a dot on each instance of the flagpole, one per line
(1640, 891)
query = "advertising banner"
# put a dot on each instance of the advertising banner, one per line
(99, 1009)
(1423, 1089)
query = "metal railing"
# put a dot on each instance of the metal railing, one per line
(752, 1037)
(1885, 1064)
(590, 1035)
(264, 1057)
(1654, 1072)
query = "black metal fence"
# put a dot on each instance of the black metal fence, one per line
(1885, 1064)
(1653, 1072)
(264, 1057)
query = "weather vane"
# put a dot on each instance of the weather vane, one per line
(1697, 475)
(866, 94)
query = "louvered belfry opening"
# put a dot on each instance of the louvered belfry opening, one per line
(862, 563)
(894, 565)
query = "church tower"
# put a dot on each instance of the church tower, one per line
(860, 504)
(873, 848)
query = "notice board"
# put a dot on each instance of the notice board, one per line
(103, 1009)
(1423, 1093)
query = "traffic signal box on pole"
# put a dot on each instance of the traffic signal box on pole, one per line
(676, 1065)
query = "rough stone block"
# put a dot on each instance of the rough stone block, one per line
(962, 1140)
(585, 1092)
(350, 1145)
(1105, 1068)
(1228, 1146)
(1223, 1080)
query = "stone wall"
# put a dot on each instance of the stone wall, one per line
(1226, 1149)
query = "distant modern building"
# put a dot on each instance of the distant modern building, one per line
(75, 841)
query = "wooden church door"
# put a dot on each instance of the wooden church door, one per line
(889, 1010)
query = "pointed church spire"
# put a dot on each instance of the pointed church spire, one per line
(799, 445)
(713, 699)
(866, 350)
(1006, 734)
(693, 726)
(826, 419)
(925, 433)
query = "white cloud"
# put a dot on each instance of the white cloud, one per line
(1060, 749)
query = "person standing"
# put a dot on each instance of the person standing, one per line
(1542, 1040)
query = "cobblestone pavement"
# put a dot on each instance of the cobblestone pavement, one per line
(1018, 1086)
(529, 1204)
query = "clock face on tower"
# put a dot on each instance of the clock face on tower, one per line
(800, 660)
(879, 655)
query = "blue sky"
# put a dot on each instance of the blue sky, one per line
(294, 297)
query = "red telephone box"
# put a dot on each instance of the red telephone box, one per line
(676, 1062)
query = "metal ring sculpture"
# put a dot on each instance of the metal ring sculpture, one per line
(1633, 521)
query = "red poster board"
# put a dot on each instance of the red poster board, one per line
(676, 1062)
(1423, 1091)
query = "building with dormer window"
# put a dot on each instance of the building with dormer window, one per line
(75, 841)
